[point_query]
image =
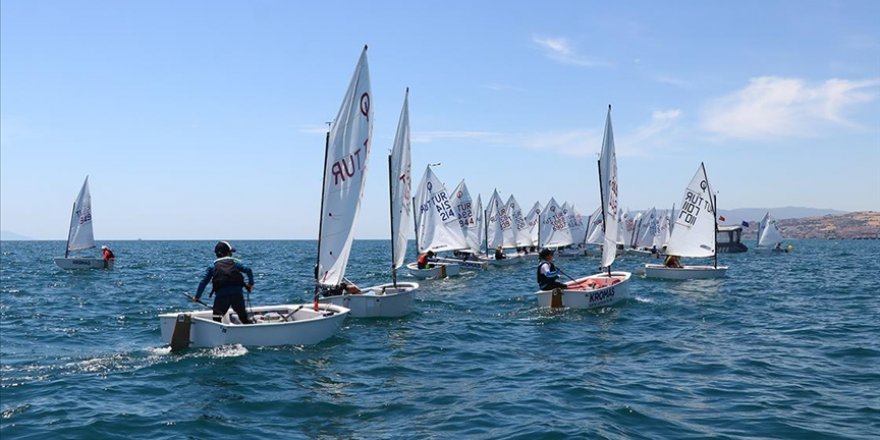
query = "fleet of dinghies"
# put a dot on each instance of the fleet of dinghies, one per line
(453, 227)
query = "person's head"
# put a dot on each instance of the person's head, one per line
(223, 249)
(104, 248)
(546, 254)
(498, 248)
(430, 253)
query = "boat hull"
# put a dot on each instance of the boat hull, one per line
(590, 292)
(83, 263)
(684, 273)
(509, 261)
(440, 270)
(382, 301)
(474, 263)
(286, 324)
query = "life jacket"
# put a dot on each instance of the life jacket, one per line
(544, 280)
(226, 274)
(423, 259)
(108, 254)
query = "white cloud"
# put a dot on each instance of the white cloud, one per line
(785, 107)
(560, 50)
(577, 143)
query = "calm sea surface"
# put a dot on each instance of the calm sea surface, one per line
(788, 346)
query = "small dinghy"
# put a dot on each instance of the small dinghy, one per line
(80, 236)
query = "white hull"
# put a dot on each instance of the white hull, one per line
(771, 250)
(509, 261)
(590, 292)
(275, 325)
(82, 263)
(383, 301)
(474, 262)
(440, 270)
(684, 273)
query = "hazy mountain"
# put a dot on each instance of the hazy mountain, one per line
(736, 216)
(9, 235)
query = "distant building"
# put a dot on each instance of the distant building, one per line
(729, 238)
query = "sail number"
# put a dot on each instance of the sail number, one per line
(465, 214)
(690, 210)
(441, 205)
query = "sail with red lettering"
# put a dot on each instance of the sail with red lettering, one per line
(554, 230)
(694, 231)
(466, 211)
(345, 171)
(608, 189)
(401, 186)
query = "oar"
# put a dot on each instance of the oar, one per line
(193, 299)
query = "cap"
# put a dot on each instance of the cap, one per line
(104, 247)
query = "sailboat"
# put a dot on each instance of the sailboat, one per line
(553, 231)
(470, 220)
(769, 236)
(80, 236)
(346, 151)
(394, 299)
(503, 230)
(436, 227)
(604, 288)
(693, 234)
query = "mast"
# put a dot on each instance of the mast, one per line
(321, 215)
(715, 216)
(67, 246)
(486, 227)
(391, 217)
(602, 201)
(416, 226)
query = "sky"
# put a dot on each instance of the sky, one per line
(206, 119)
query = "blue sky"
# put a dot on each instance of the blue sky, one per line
(205, 119)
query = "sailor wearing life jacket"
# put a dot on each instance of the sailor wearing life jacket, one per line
(227, 278)
(423, 261)
(547, 272)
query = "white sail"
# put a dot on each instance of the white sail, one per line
(608, 188)
(664, 229)
(438, 228)
(770, 235)
(554, 226)
(520, 227)
(576, 225)
(694, 231)
(497, 221)
(649, 228)
(344, 175)
(595, 234)
(533, 219)
(401, 186)
(465, 210)
(481, 223)
(81, 235)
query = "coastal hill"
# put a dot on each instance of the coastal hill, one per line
(852, 225)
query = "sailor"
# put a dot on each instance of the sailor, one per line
(424, 259)
(227, 278)
(547, 273)
(107, 256)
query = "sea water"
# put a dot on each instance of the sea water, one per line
(787, 346)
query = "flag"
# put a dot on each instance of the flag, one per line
(721, 217)
(745, 224)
